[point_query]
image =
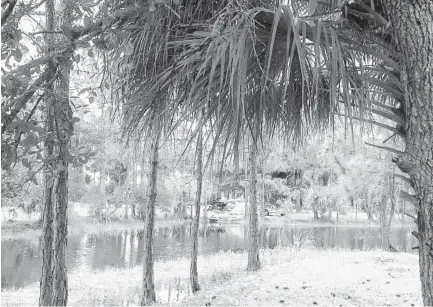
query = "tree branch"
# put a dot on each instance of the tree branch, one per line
(405, 179)
(398, 152)
(395, 130)
(410, 198)
(28, 118)
(8, 11)
(391, 116)
(409, 215)
(23, 69)
(21, 101)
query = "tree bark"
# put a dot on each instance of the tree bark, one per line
(148, 285)
(102, 198)
(387, 213)
(64, 129)
(262, 175)
(134, 183)
(315, 212)
(193, 270)
(46, 282)
(412, 23)
(385, 223)
(142, 206)
(126, 200)
(298, 201)
(253, 239)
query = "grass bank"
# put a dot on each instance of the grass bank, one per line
(23, 228)
(288, 276)
(349, 219)
(32, 229)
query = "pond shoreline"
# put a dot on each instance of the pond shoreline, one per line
(334, 277)
(31, 229)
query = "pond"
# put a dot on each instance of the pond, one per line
(21, 263)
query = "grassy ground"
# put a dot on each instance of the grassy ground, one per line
(289, 276)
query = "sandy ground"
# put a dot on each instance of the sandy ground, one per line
(336, 279)
(288, 277)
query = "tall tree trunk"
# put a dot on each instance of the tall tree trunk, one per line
(46, 282)
(412, 21)
(148, 285)
(193, 272)
(253, 239)
(54, 287)
(64, 128)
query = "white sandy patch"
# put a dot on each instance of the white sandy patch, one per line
(334, 278)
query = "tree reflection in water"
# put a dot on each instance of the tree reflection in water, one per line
(21, 261)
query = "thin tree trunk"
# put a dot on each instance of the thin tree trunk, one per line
(298, 201)
(315, 211)
(102, 198)
(126, 201)
(148, 285)
(247, 191)
(253, 240)
(141, 208)
(412, 21)
(262, 175)
(46, 282)
(193, 271)
(384, 229)
(125, 191)
(134, 183)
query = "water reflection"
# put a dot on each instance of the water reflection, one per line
(21, 258)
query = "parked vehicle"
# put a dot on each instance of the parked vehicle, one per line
(234, 209)
(217, 205)
(226, 211)
(272, 210)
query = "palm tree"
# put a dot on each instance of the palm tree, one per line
(289, 70)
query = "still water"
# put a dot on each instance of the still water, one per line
(20, 258)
